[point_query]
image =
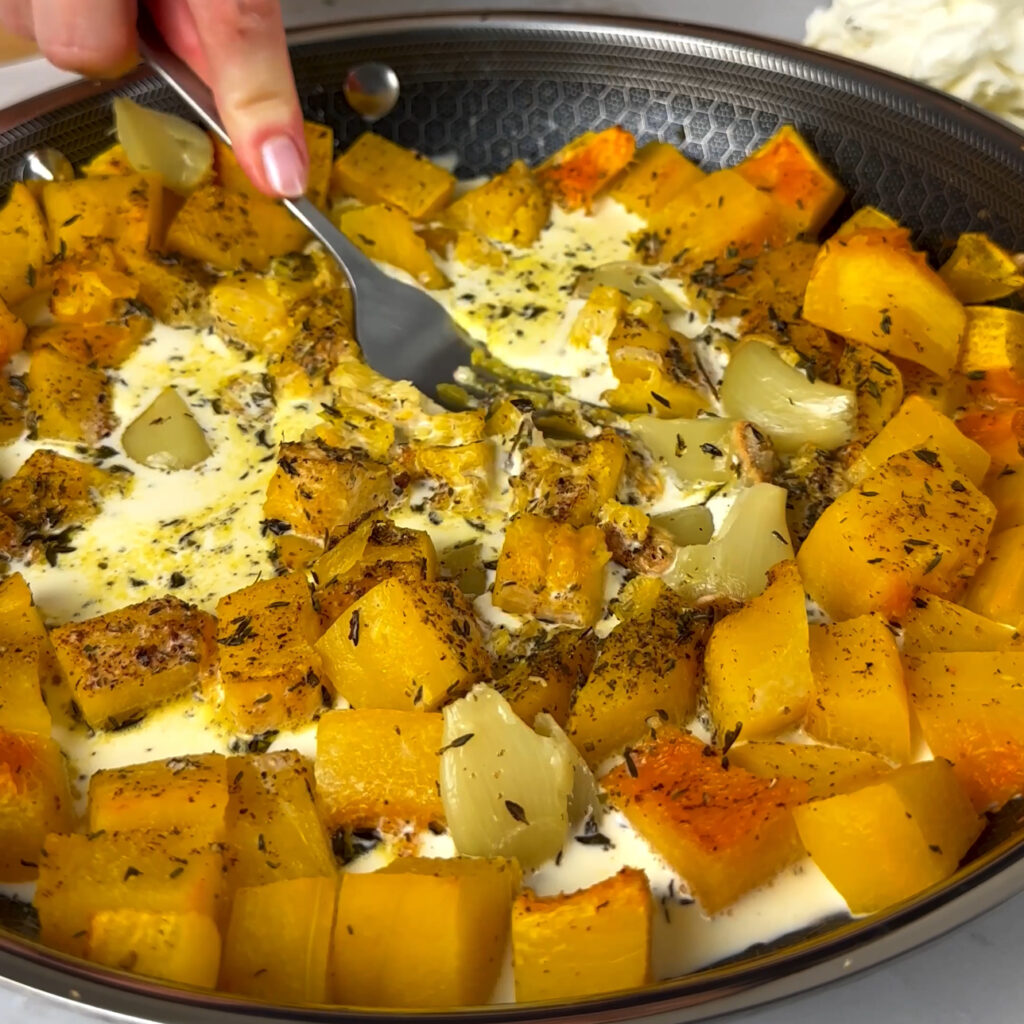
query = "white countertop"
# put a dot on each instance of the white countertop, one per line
(972, 976)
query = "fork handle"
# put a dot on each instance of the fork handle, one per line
(358, 268)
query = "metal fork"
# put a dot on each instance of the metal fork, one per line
(402, 332)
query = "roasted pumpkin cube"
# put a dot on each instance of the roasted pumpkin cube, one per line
(979, 270)
(918, 425)
(68, 401)
(182, 948)
(970, 705)
(888, 841)
(999, 430)
(26, 246)
(174, 288)
(878, 385)
(376, 765)
(658, 173)
(757, 664)
(873, 288)
(546, 678)
(34, 801)
(575, 175)
(788, 170)
(270, 673)
(27, 661)
(583, 943)
(860, 699)
(121, 664)
(376, 170)
(914, 525)
(387, 235)
(464, 473)
(319, 146)
(286, 963)
(189, 792)
(273, 829)
(826, 770)
(1006, 489)
(229, 229)
(717, 215)
(12, 334)
(12, 407)
(157, 872)
(992, 357)
(112, 160)
(94, 345)
(441, 654)
(468, 903)
(724, 830)
(647, 669)
(124, 210)
(318, 488)
(247, 308)
(551, 570)
(996, 590)
(48, 494)
(86, 292)
(375, 551)
(511, 207)
(932, 625)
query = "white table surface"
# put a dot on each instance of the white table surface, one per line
(971, 976)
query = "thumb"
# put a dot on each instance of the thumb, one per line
(239, 47)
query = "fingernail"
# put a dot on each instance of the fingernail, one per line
(284, 166)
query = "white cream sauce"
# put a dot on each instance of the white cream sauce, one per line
(204, 525)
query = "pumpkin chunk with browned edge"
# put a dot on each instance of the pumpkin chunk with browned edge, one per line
(510, 207)
(318, 488)
(575, 175)
(468, 903)
(551, 570)
(34, 801)
(970, 705)
(376, 170)
(545, 679)
(27, 661)
(860, 699)
(441, 653)
(46, 501)
(270, 673)
(723, 830)
(788, 170)
(758, 665)
(286, 963)
(182, 948)
(915, 524)
(157, 872)
(273, 829)
(121, 664)
(583, 943)
(99, 345)
(190, 792)
(68, 401)
(647, 670)
(888, 841)
(373, 552)
(826, 770)
(228, 230)
(377, 765)
(13, 394)
(872, 287)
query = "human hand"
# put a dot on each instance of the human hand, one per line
(236, 46)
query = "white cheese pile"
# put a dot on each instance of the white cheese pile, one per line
(973, 49)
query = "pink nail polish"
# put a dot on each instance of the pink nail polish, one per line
(284, 167)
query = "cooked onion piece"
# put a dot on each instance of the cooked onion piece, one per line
(584, 799)
(177, 150)
(687, 526)
(505, 789)
(735, 563)
(761, 387)
(166, 435)
(697, 451)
